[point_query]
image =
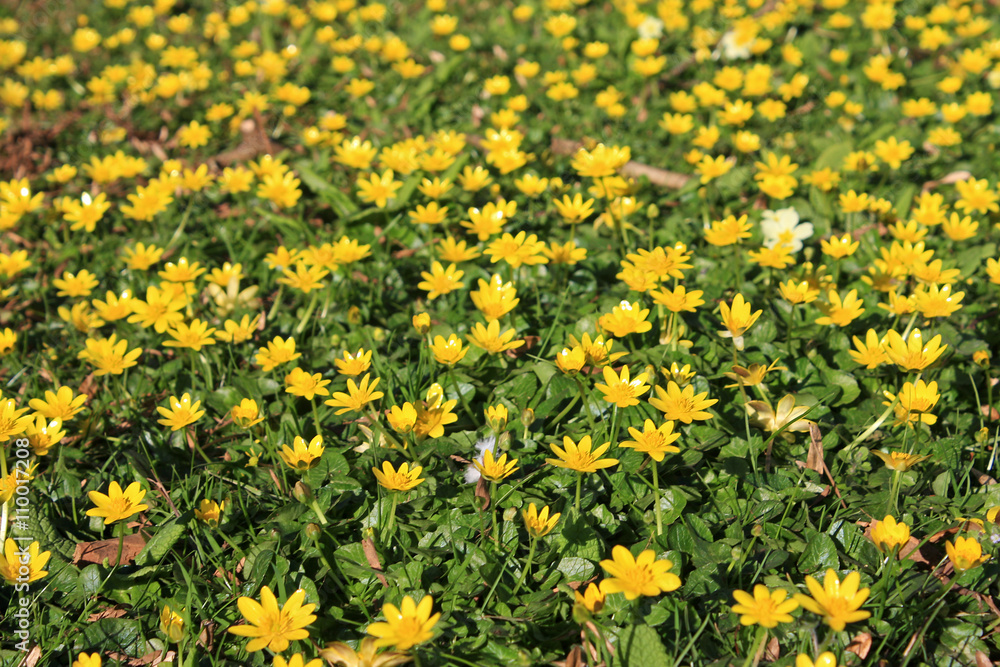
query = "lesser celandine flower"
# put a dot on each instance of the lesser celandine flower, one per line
(366, 655)
(621, 390)
(403, 479)
(358, 396)
(407, 625)
(495, 469)
(838, 602)
(642, 576)
(19, 565)
(279, 351)
(171, 624)
(85, 660)
(965, 554)
(588, 604)
(841, 312)
(824, 659)
(539, 523)
(786, 415)
(765, 608)
(109, 356)
(209, 512)
(496, 416)
(737, 319)
(448, 352)
(657, 441)
(246, 414)
(888, 534)
(913, 403)
(303, 456)
(490, 339)
(12, 420)
(581, 457)
(402, 418)
(181, 412)
(912, 354)
(422, 323)
(683, 405)
(307, 385)
(271, 626)
(117, 504)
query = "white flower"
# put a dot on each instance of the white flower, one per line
(484, 445)
(731, 49)
(651, 27)
(783, 226)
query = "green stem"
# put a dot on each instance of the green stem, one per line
(527, 566)
(461, 396)
(493, 510)
(308, 314)
(758, 645)
(315, 412)
(579, 483)
(656, 498)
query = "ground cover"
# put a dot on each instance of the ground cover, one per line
(483, 333)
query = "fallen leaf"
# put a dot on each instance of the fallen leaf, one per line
(97, 552)
(111, 612)
(989, 412)
(983, 660)
(368, 545)
(814, 460)
(773, 650)
(482, 492)
(32, 657)
(861, 645)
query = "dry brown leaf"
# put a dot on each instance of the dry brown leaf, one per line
(110, 612)
(861, 645)
(483, 492)
(32, 657)
(983, 660)
(773, 650)
(97, 552)
(982, 477)
(814, 460)
(950, 179)
(989, 412)
(368, 545)
(573, 659)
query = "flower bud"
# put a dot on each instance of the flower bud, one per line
(302, 493)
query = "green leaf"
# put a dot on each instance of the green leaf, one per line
(820, 553)
(576, 569)
(640, 646)
(161, 543)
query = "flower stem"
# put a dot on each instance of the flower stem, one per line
(656, 498)
(758, 645)
(579, 483)
(493, 510)
(308, 314)
(527, 566)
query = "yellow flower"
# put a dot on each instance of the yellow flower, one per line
(440, 281)
(407, 625)
(403, 479)
(402, 418)
(837, 602)
(624, 319)
(496, 416)
(752, 375)
(824, 659)
(84, 660)
(171, 624)
(965, 554)
(12, 421)
(490, 339)
(888, 534)
(297, 660)
(841, 311)
(118, 504)
(579, 457)
(378, 189)
(765, 608)
(209, 512)
(279, 351)
(914, 402)
(181, 412)
(638, 576)
(305, 384)
(571, 360)
(869, 353)
(448, 352)
(787, 416)
(246, 414)
(22, 566)
(591, 602)
(623, 391)
(737, 319)
(538, 523)
(495, 469)
(899, 461)
(339, 653)
(273, 627)
(684, 405)
(912, 354)
(302, 456)
(653, 440)
(109, 356)
(44, 435)
(357, 396)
